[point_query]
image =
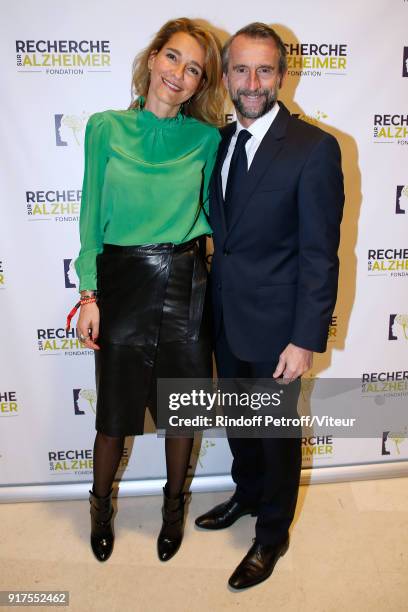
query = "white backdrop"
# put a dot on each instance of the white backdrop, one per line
(348, 73)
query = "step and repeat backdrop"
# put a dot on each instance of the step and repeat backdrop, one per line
(348, 73)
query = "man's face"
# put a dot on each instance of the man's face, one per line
(253, 78)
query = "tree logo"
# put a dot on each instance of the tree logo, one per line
(84, 401)
(405, 62)
(315, 119)
(398, 327)
(202, 451)
(392, 441)
(69, 274)
(401, 200)
(70, 129)
(2, 276)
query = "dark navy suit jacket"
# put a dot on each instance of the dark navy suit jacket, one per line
(275, 268)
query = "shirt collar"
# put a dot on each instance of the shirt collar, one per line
(260, 126)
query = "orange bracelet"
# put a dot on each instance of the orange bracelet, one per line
(87, 300)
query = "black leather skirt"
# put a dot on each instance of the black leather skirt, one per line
(154, 323)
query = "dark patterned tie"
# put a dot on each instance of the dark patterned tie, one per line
(237, 172)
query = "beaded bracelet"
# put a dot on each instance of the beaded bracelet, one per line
(87, 300)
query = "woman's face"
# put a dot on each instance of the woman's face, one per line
(176, 70)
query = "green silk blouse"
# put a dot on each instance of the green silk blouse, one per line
(144, 180)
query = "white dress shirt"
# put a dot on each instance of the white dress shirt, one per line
(258, 130)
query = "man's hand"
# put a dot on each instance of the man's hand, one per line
(293, 362)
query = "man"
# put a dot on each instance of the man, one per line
(276, 204)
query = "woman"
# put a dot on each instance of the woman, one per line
(141, 270)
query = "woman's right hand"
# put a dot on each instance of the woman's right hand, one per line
(88, 325)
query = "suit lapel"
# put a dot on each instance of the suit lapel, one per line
(267, 151)
(227, 133)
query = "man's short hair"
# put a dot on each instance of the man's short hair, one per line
(257, 30)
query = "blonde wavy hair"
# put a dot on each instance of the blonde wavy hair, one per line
(207, 104)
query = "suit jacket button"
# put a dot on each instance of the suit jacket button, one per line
(219, 286)
(226, 252)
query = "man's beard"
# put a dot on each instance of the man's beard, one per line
(269, 95)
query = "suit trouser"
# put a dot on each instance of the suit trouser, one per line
(266, 471)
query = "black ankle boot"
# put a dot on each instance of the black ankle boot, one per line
(171, 533)
(102, 537)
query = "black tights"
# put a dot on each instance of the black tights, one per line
(108, 452)
(106, 459)
(178, 451)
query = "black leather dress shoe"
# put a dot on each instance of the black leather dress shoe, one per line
(257, 565)
(224, 515)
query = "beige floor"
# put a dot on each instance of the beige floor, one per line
(349, 551)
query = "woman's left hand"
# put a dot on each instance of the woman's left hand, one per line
(88, 325)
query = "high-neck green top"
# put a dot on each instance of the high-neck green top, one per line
(144, 180)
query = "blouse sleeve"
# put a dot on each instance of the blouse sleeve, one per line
(91, 231)
(209, 165)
